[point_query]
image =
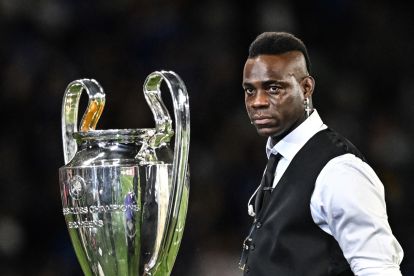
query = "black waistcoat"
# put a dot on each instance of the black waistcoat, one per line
(285, 240)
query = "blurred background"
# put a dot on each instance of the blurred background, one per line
(362, 62)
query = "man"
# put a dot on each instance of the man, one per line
(320, 208)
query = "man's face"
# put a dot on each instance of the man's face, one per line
(275, 87)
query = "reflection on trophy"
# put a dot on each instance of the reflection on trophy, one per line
(124, 191)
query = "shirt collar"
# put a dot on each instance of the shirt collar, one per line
(296, 139)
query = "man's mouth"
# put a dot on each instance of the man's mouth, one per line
(262, 120)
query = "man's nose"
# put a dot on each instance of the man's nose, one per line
(260, 99)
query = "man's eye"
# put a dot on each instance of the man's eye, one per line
(273, 89)
(249, 91)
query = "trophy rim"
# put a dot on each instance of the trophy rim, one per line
(115, 134)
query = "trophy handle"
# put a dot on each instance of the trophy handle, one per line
(70, 112)
(181, 148)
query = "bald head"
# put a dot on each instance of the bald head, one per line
(296, 65)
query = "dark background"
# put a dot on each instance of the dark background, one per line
(362, 62)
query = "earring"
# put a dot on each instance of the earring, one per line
(308, 109)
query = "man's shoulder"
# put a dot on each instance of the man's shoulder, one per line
(337, 142)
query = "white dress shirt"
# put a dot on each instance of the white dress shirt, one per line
(347, 203)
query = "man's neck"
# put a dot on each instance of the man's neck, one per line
(277, 138)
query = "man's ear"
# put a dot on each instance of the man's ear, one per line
(308, 84)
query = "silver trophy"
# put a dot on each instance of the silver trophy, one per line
(125, 191)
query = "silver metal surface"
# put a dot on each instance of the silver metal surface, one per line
(125, 192)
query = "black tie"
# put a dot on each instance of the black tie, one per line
(267, 182)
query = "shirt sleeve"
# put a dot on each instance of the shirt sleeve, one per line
(348, 203)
